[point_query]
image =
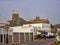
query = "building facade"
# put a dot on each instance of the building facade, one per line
(42, 24)
(22, 31)
(22, 34)
(17, 35)
(3, 32)
(18, 21)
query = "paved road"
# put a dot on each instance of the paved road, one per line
(38, 42)
(41, 42)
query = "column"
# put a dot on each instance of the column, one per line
(12, 39)
(19, 37)
(3, 38)
(33, 36)
(29, 37)
(24, 38)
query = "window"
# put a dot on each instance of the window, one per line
(1, 39)
(22, 37)
(16, 37)
(27, 37)
(31, 36)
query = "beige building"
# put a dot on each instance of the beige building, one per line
(18, 21)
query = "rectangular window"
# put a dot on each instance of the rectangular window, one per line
(1, 38)
(16, 37)
(31, 36)
(27, 37)
(5, 38)
(22, 37)
(9, 38)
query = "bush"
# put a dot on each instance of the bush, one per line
(57, 43)
(42, 35)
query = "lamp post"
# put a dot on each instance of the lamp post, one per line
(6, 27)
(7, 34)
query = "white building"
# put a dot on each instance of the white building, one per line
(20, 34)
(41, 26)
(3, 32)
(26, 32)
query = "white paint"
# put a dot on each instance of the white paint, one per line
(3, 23)
(34, 25)
(22, 29)
(27, 28)
(3, 31)
(42, 26)
(38, 32)
(58, 38)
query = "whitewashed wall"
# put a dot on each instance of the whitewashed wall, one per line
(34, 25)
(42, 26)
(22, 29)
(46, 27)
(3, 31)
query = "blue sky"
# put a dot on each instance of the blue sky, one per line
(29, 9)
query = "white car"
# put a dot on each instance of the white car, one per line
(58, 36)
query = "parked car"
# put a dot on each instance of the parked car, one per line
(58, 36)
(50, 35)
(57, 42)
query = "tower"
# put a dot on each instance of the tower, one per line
(15, 16)
(37, 18)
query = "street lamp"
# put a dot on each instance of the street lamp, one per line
(6, 27)
(7, 34)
